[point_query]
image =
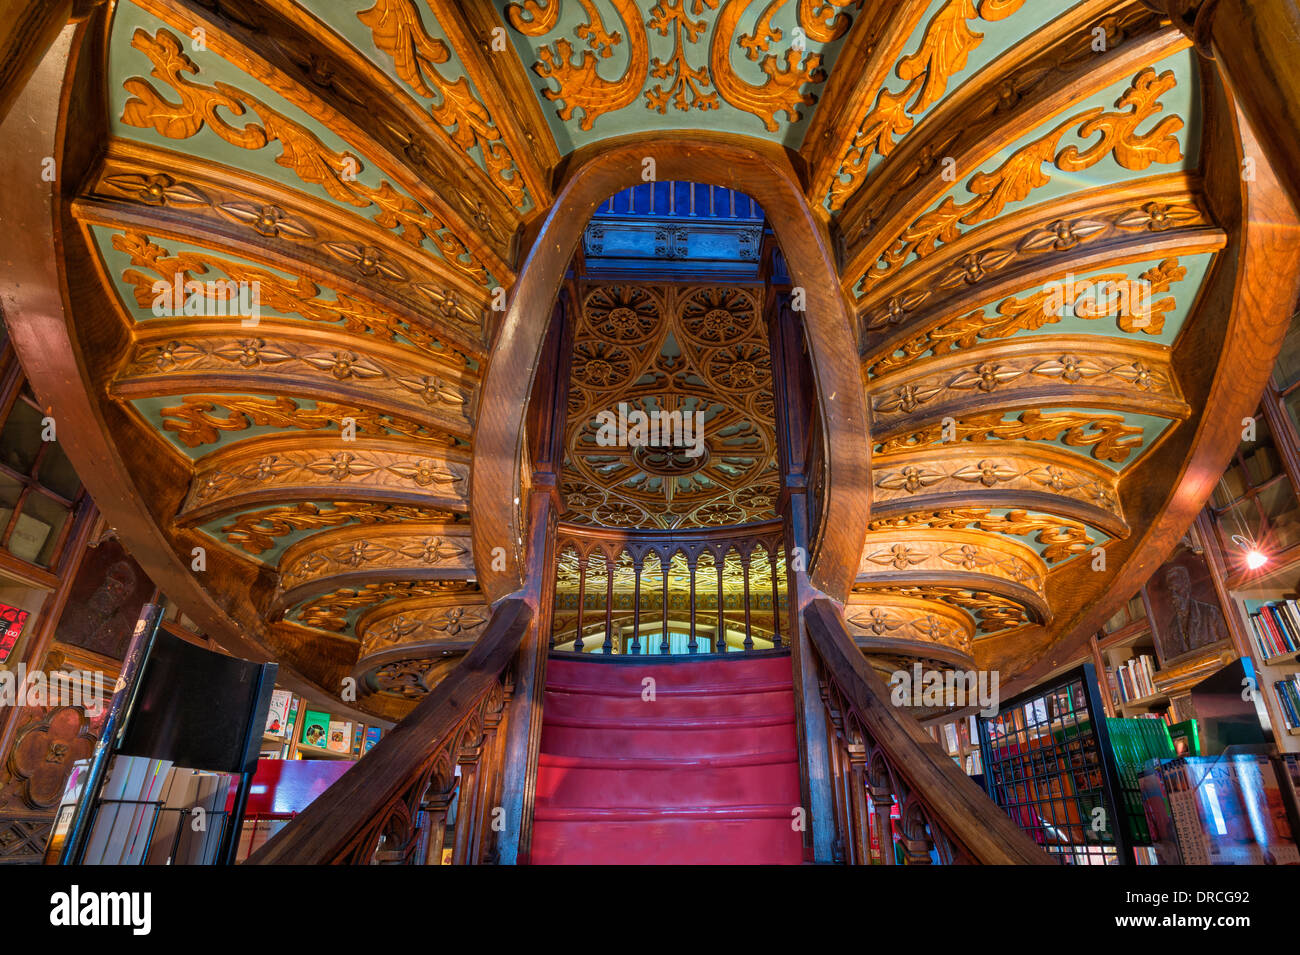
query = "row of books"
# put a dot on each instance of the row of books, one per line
(150, 812)
(1136, 678)
(960, 740)
(1276, 628)
(1288, 695)
(316, 730)
(1136, 742)
(1217, 810)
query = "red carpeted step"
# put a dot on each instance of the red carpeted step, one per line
(707, 772)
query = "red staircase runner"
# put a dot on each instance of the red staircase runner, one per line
(707, 773)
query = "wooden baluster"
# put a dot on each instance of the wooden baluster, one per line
(488, 778)
(608, 646)
(664, 645)
(776, 601)
(582, 600)
(467, 807)
(835, 773)
(636, 608)
(434, 825)
(882, 804)
(749, 633)
(497, 724)
(693, 647)
(860, 841)
(720, 563)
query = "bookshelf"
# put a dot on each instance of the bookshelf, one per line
(1257, 502)
(285, 729)
(1255, 506)
(959, 738)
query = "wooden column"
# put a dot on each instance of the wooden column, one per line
(664, 644)
(608, 645)
(692, 646)
(793, 390)
(721, 562)
(582, 600)
(523, 733)
(776, 601)
(749, 630)
(857, 809)
(636, 608)
(882, 804)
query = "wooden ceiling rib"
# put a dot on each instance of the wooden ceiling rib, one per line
(933, 171)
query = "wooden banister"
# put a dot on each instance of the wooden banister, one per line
(386, 804)
(888, 753)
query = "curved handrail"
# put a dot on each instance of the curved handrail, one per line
(896, 754)
(384, 794)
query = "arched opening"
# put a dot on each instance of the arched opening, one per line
(707, 363)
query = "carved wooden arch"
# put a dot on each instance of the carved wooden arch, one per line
(765, 173)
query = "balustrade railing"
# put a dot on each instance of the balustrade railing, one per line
(430, 784)
(881, 758)
(711, 590)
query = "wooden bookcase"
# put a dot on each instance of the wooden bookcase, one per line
(959, 738)
(1256, 505)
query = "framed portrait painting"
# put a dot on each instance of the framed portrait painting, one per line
(107, 595)
(1185, 614)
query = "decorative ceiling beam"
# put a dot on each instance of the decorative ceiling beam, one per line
(257, 531)
(875, 42)
(336, 610)
(890, 616)
(910, 180)
(1108, 225)
(284, 360)
(970, 559)
(164, 193)
(356, 555)
(992, 612)
(1058, 538)
(376, 126)
(1079, 371)
(1006, 474)
(449, 623)
(507, 91)
(196, 420)
(319, 467)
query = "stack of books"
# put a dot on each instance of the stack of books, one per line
(1135, 743)
(150, 813)
(1137, 678)
(1276, 628)
(1288, 696)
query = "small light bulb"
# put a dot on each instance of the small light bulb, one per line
(1255, 560)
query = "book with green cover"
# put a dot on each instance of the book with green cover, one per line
(1186, 740)
(315, 729)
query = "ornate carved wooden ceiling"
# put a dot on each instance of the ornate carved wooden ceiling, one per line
(983, 168)
(697, 351)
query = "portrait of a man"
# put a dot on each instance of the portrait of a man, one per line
(1186, 614)
(106, 599)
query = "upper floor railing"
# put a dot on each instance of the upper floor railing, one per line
(708, 590)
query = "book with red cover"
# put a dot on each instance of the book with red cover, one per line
(12, 620)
